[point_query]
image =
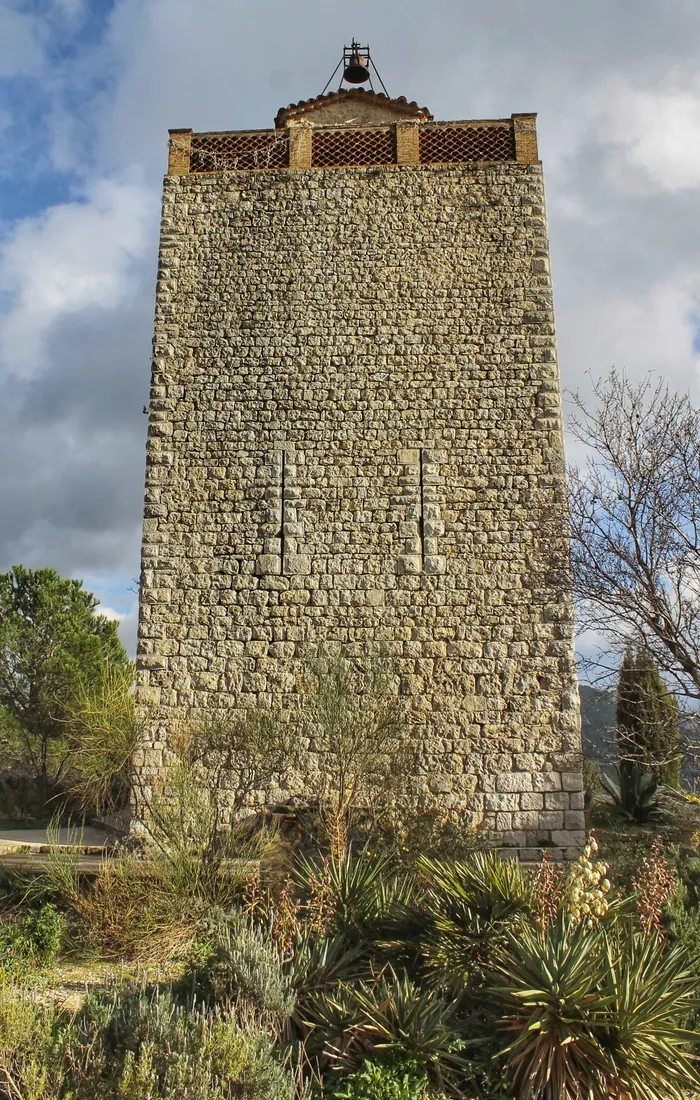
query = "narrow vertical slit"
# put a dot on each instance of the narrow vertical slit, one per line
(284, 461)
(421, 521)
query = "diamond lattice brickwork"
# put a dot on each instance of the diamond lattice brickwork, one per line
(452, 144)
(332, 148)
(231, 152)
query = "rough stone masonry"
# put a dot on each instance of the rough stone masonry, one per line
(355, 441)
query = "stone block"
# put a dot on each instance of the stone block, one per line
(574, 819)
(551, 819)
(531, 801)
(556, 800)
(513, 839)
(296, 564)
(531, 855)
(375, 597)
(268, 564)
(546, 781)
(409, 564)
(570, 838)
(501, 801)
(515, 781)
(572, 781)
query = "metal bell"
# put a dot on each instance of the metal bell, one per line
(356, 71)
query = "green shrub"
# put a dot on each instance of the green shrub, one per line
(396, 1019)
(381, 1081)
(193, 855)
(143, 1046)
(150, 906)
(235, 966)
(101, 736)
(126, 1045)
(31, 939)
(591, 775)
(29, 1062)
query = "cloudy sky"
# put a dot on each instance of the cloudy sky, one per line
(88, 89)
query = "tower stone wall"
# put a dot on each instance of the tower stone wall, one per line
(355, 441)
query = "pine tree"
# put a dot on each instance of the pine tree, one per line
(648, 734)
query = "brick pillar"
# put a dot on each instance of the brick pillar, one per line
(179, 152)
(525, 130)
(407, 148)
(299, 145)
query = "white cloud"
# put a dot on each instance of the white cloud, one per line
(76, 256)
(654, 131)
(128, 624)
(636, 332)
(110, 613)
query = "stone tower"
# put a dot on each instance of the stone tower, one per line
(355, 438)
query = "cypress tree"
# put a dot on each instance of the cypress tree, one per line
(648, 733)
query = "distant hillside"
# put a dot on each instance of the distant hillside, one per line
(597, 723)
(598, 730)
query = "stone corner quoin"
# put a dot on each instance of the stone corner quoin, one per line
(355, 442)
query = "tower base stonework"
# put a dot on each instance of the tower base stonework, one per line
(355, 443)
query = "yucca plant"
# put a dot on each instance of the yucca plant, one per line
(547, 999)
(635, 794)
(593, 1013)
(361, 892)
(318, 968)
(467, 904)
(650, 991)
(395, 1019)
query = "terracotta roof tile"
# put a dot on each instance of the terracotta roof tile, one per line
(305, 106)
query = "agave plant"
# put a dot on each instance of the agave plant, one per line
(361, 891)
(495, 888)
(593, 1014)
(635, 794)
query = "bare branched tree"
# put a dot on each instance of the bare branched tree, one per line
(635, 523)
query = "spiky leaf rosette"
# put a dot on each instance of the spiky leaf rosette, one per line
(593, 1014)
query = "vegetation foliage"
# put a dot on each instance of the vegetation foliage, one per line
(648, 733)
(340, 961)
(55, 648)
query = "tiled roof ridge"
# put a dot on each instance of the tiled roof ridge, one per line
(400, 103)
